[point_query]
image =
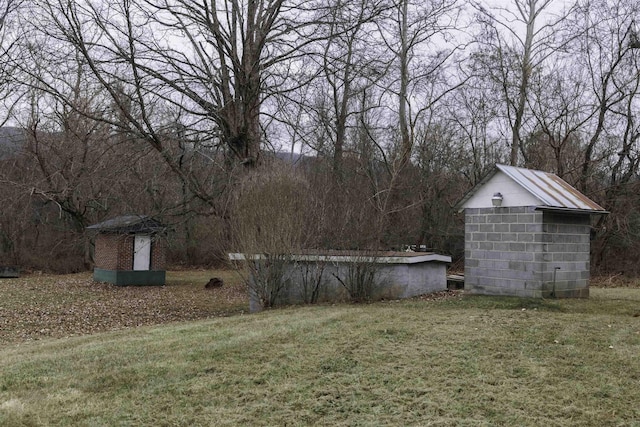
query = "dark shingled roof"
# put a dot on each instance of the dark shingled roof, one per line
(129, 224)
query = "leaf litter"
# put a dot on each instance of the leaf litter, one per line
(47, 306)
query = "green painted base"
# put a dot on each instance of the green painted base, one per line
(129, 278)
(9, 272)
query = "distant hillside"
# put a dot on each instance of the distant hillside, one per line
(12, 139)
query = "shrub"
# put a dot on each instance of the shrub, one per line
(269, 225)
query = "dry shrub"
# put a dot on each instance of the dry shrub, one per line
(361, 279)
(270, 216)
(312, 281)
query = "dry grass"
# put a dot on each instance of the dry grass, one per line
(618, 280)
(445, 361)
(38, 306)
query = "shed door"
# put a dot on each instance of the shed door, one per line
(142, 252)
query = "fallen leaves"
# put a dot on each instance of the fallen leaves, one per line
(38, 306)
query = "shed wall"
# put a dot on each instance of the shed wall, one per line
(512, 193)
(501, 251)
(567, 253)
(392, 281)
(115, 252)
(158, 253)
(522, 251)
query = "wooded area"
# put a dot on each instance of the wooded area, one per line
(272, 125)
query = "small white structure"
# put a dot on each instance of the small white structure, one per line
(527, 233)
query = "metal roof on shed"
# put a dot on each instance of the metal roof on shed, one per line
(551, 190)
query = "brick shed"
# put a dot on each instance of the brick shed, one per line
(130, 250)
(527, 233)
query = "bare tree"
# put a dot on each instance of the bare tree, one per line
(345, 62)
(610, 59)
(418, 75)
(473, 110)
(515, 56)
(560, 105)
(8, 84)
(347, 66)
(214, 61)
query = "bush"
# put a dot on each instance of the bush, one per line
(269, 220)
(360, 280)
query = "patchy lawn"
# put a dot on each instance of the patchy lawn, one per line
(463, 361)
(36, 306)
(39, 305)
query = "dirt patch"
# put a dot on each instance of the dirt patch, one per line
(37, 306)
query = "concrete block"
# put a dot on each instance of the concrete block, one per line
(517, 247)
(486, 281)
(470, 228)
(485, 246)
(510, 218)
(494, 219)
(556, 247)
(471, 262)
(526, 237)
(517, 228)
(517, 265)
(502, 246)
(520, 275)
(517, 256)
(479, 219)
(487, 228)
(542, 238)
(572, 238)
(478, 237)
(493, 237)
(533, 228)
(509, 237)
(501, 228)
(534, 247)
(499, 264)
(484, 272)
(525, 218)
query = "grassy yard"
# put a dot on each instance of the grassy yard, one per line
(454, 361)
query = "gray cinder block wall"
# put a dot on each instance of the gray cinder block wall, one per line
(526, 252)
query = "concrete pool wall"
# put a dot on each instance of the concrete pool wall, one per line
(336, 276)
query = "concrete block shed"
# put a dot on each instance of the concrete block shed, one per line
(130, 250)
(527, 233)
